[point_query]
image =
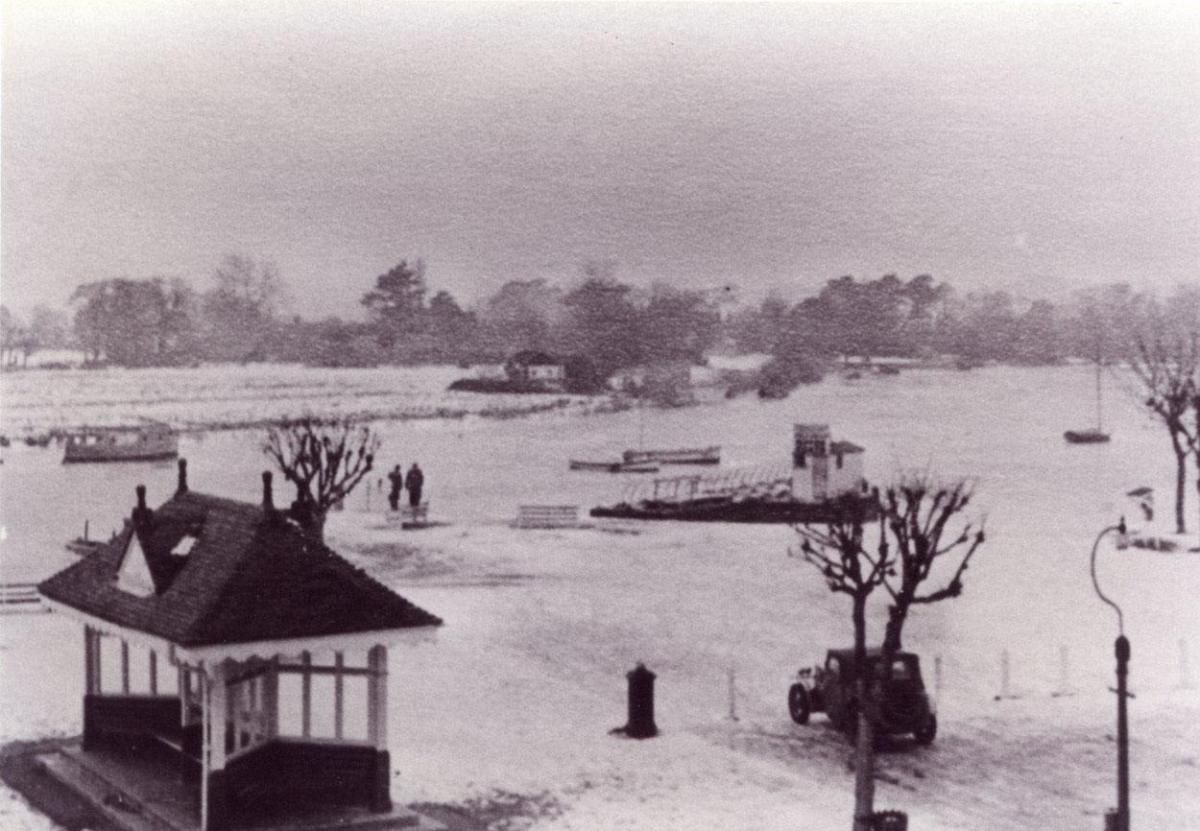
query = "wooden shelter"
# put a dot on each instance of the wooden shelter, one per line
(231, 618)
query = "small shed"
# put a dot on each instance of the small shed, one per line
(230, 616)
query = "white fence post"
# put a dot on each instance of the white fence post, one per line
(732, 694)
(1185, 674)
(1064, 672)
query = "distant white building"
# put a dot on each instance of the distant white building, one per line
(823, 468)
(537, 368)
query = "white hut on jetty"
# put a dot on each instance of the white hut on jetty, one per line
(823, 469)
(229, 608)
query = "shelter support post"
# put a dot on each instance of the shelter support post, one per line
(214, 792)
(381, 795)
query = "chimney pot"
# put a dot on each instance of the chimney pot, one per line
(183, 483)
(268, 497)
(141, 497)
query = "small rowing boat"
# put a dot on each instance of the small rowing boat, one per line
(614, 467)
(687, 456)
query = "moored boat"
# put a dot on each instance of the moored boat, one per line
(141, 443)
(686, 456)
(614, 467)
(728, 509)
(1091, 436)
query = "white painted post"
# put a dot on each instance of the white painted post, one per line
(218, 714)
(937, 679)
(377, 696)
(1185, 674)
(124, 667)
(89, 661)
(271, 696)
(183, 680)
(338, 708)
(305, 695)
(1004, 692)
(1064, 671)
(732, 694)
(153, 672)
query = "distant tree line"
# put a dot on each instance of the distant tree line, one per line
(240, 316)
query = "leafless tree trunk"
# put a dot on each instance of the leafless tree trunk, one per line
(1167, 368)
(917, 513)
(325, 459)
(838, 551)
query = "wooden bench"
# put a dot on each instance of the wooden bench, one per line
(547, 516)
(409, 516)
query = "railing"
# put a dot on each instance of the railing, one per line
(20, 597)
(764, 480)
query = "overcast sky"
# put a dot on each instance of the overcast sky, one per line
(768, 146)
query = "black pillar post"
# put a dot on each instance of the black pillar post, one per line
(380, 797)
(218, 801)
(641, 704)
(1123, 654)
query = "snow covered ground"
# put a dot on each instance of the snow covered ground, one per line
(518, 693)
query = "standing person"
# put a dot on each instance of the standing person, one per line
(414, 481)
(396, 477)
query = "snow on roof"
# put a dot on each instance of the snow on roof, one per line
(250, 575)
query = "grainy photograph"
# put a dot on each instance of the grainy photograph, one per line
(577, 417)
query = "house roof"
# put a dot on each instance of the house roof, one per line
(531, 357)
(251, 575)
(845, 447)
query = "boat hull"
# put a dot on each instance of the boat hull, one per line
(698, 456)
(79, 456)
(613, 467)
(1085, 437)
(723, 510)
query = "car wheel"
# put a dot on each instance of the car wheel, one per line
(928, 731)
(798, 704)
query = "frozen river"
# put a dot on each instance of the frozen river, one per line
(577, 608)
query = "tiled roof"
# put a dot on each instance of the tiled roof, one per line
(251, 575)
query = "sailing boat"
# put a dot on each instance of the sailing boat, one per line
(1093, 435)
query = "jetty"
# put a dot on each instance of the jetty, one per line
(822, 471)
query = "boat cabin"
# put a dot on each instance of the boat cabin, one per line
(144, 442)
(822, 468)
(227, 649)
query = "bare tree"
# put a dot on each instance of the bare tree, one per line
(1166, 367)
(838, 549)
(325, 459)
(919, 514)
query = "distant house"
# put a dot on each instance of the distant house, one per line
(536, 368)
(231, 616)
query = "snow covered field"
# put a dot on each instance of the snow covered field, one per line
(518, 693)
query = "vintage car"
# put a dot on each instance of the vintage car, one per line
(905, 706)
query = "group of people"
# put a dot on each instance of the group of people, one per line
(414, 481)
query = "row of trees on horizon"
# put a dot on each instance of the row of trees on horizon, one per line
(242, 317)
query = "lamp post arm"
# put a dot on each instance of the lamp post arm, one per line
(1119, 528)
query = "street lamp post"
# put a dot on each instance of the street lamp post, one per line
(1122, 651)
